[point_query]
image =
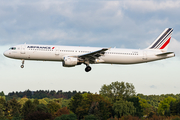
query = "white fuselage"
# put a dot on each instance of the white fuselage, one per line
(57, 53)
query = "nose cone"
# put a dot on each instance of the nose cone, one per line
(6, 53)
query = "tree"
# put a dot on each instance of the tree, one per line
(43, 101)
(90, 117)
(23, 100)
(2, 107)
(2, 93)
(174, 108)
(17, 116)
(85, 104)
(6, 107)
(36, 102)
(65, 102)
(53, 107)
(28, 108)
(137, 105)
(165, 104)
(118, 90)
(52, 92)
(147, 108)
(38, 116)
(75, 102)
(62, 111)
(42, 108)
(124, 108)
(67, 117)
(15, 107)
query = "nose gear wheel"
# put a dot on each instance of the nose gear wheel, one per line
(22, 66)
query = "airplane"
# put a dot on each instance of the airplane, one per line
(71, 56)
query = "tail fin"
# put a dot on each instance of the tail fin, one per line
(162, 41)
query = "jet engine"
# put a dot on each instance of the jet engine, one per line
(70, 62)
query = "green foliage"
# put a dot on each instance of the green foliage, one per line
(2, 106)
(53, 107)
(42, 108)
(100, 107)
(137, 105)
(15, 107)
(75, 102)
(176, 118)
(27, 108)
(23, 100)
(90, 117)
(83, 105)
(174, 108)
(36, 101)
(165, 105)
(124, 108)
(40, 94)
(154, 100)
(2, 93)
(117, 99)
(118, 90)
(65, 102)
(66, 117)
(17, 116)
(3, 118)
(3, 97)
(145, 106)
(37, 115)
(44, 101)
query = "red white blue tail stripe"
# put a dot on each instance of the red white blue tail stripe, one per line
(163, 40)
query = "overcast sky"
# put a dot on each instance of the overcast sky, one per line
(104, 23)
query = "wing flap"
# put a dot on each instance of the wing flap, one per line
(92, 56)
(95, 54)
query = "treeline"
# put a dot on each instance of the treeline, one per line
(154, 100)
(39, 94)
(116, 101)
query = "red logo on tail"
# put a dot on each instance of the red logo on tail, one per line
(166, 43)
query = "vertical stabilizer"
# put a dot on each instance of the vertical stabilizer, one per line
(162, 41)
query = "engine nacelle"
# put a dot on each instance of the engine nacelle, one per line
(70, 62)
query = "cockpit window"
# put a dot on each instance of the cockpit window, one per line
(12, 48)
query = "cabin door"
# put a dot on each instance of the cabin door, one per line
(23, 49)
(144, 55)
(57, 51)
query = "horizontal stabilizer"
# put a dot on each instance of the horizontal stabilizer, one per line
(166, 53)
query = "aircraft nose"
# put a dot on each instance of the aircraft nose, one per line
(5, 53)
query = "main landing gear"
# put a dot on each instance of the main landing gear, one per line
(22, 66)
(88, 68)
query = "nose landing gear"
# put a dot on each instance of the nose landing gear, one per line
(22, 66)
(88, 68)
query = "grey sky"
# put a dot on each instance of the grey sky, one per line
(126, 23)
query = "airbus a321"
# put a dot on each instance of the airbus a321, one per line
(72, 56)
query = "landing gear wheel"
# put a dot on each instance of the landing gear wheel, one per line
(22, 66)
(88, 68)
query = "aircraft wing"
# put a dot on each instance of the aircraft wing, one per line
(92, 56)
